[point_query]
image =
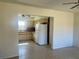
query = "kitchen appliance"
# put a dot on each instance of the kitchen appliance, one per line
(41, 34)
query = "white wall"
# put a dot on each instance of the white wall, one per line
(76, 30)
(62, 32)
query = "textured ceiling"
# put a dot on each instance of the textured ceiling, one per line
(49, 4)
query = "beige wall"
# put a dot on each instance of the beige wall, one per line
(8, 33)
(1, 32)
(63, 26)
(76, 30)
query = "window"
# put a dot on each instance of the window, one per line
(23, 22)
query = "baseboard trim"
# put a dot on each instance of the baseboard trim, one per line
(16, 57)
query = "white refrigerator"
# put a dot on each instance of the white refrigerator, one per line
(41, 34)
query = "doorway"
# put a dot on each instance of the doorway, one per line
(35, 29)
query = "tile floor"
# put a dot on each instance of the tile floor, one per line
(33, 51)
